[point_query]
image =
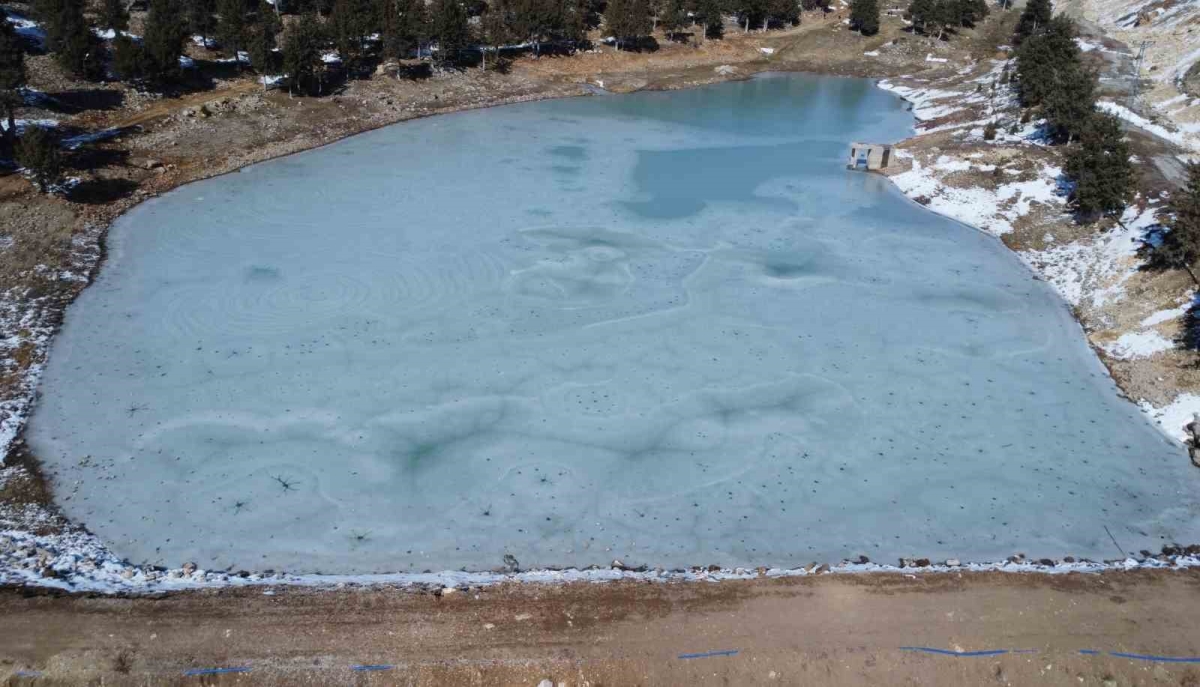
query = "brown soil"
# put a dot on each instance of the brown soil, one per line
(826, 630)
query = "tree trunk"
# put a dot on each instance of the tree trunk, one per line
(1191, 273)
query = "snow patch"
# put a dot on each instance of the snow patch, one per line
(1142, 344)
(1174, 417)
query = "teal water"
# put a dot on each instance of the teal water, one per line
(668, 328)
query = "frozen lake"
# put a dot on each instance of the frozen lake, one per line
(668, 328)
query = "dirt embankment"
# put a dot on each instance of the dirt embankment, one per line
(826, 630)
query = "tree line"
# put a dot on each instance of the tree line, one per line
(251, 32)
(1052, 80)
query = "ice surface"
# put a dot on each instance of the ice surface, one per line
(668, 328)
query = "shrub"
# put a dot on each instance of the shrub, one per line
(37, 151)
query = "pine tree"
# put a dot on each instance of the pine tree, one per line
(37, 151)
(449, 28)
(200, 21)
(114, 15)
(1070, 103)
(674, 17)
(627, 20)
(352, 21)
(535, 21)
(302, 46)
(1037, 13)
(495, 29)
(921, 13)
(971, 12)
(1041, 57)
(946, 15)
(711, 15)
(129, 58)
(864, 16)
(69, 36)
(163, 41)
(1100, 168)
(1180, 247)
(785, 12)
(575, 21)
(261, 39)
(413, 25)
(12, 77)
(231, 26)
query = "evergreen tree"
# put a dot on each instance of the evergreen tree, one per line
(864, 16)
(947, 15)
(575, 21)
(302, 45)
(37, 151)
(971, 12)
(261, 38)
(813, 5)
(1070, 103)
(1040, 58)
(129, 59)
(12, 77)
(921, 14)
(495, 29)
(711, 15)
(1180, 247)
(448, 27)
(627, 20)
(785, 12)
(163, 41)
(114, 15)
(535, 20)
(1100, 167)
(231, 26)
(406, 28)
(352, 22)
(200, 21)
(1037, 13)
(752, 13)
(69, 36)
(674, 17)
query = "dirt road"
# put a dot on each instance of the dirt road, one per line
(827, 630)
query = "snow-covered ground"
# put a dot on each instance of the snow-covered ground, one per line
(1172, 48)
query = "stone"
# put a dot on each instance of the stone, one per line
(48, 573)
(189, 568)
(127, 573)
(545, 683)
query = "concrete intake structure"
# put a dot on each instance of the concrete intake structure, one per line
(869, 156)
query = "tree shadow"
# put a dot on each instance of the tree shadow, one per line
(101, 191)
(80, 100)
(647, 44)
(415, 72)
(87, 158)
